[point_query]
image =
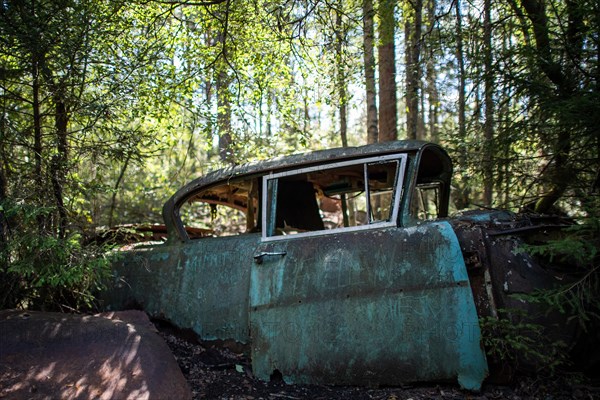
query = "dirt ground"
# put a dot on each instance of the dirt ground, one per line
(217, 372)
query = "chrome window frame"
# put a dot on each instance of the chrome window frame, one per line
(398, 188)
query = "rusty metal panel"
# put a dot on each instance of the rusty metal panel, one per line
(492, 243)
(202, 285)
(385, 306)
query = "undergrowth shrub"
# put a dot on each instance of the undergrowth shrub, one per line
(43, 271)
(578, 253)
(514, 338)
(516, 344)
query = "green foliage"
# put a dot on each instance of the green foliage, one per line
(573, 253)
(108, 107)
(577, 253)
(46, 272)
(578, 247)
(513, 342)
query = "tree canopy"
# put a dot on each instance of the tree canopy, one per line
(107, 107)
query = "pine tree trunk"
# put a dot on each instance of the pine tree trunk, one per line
(37, 137)
(559, 174)
(224, 118)
(432, 89)
(341, 78)
(224, 103)
(113, 202)
(463, 197)
(58, 168)
(388, 129)
(222, 87)
(413, 68)
(270, 97)
(3, 222)
(460, 58)
(488, 178)
(306, 115)
(369, 60)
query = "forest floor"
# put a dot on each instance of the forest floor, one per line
(217, 372)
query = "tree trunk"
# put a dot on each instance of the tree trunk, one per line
(369, 60)
(432, 91)
(224, 118)
(269, 107)
(488, 170)
(559, 74)
(37, 136)
(388, 129)
(341, 77)
(595, 189)
(224, 94)
(434, 102)
(306, 114)
(460, 59)
(113, 201)
(463, 197)
(3, 220)
(413, 29)
(60, 159)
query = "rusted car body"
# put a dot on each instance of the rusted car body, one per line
(336, 266)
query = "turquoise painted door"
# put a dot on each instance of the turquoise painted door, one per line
(381, 306)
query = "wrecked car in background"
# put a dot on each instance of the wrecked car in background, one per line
(336, 266)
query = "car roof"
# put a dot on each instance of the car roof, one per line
(300, 160)
(289, 162)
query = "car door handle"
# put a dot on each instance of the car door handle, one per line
(258, 258)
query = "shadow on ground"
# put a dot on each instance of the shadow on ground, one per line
(106, 356)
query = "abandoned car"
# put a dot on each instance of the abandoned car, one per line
(336, 266)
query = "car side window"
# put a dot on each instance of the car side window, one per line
(426, 201)
(344, 195)
(430, 193)
(226, 209)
